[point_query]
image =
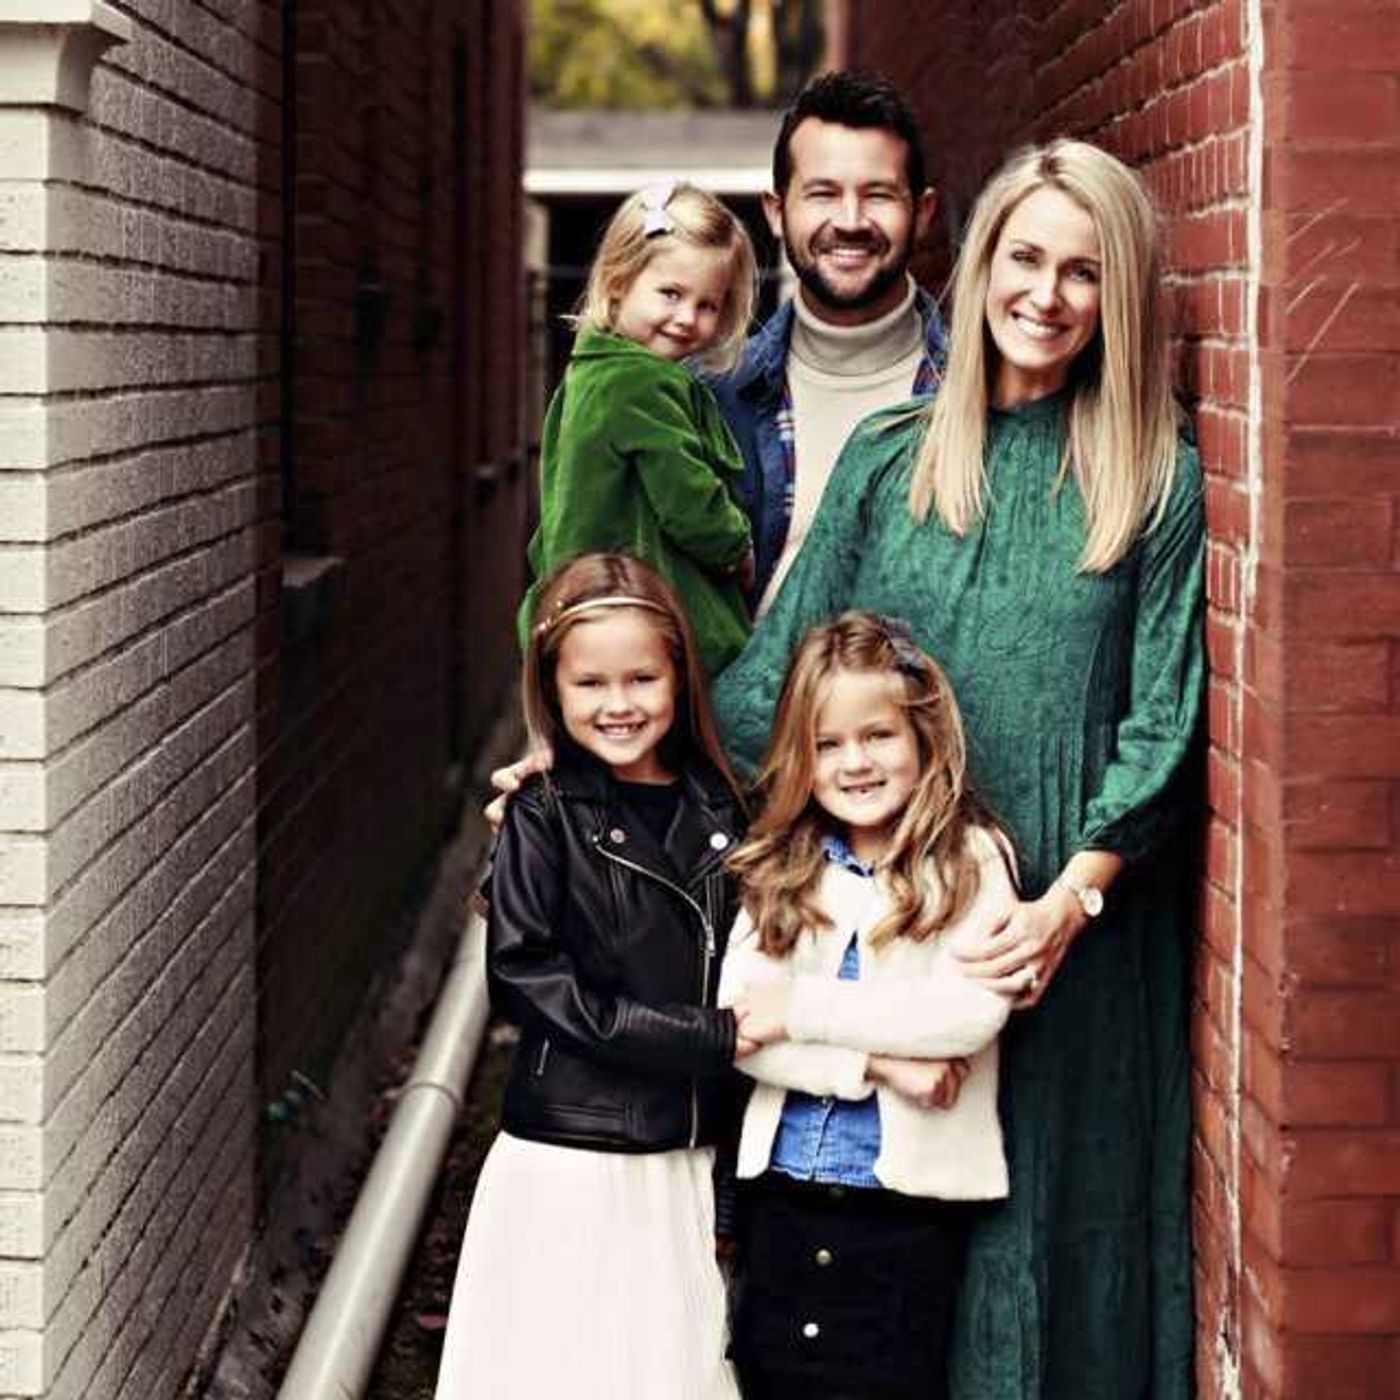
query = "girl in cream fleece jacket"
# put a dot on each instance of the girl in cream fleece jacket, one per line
(862, 1145)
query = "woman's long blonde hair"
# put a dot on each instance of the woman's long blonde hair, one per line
(1121, 444)
(689, 215)
(931, 869)
(591, 587)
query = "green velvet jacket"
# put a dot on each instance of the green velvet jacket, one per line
(636, 458)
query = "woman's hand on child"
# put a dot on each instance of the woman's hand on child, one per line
(1020, 956)
(762, 1011)
(510, 779)
(928, 1083)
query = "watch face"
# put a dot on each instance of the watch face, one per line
(1092, 900)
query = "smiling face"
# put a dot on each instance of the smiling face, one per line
(866, 760)
(617, 691)
(1043, 294)
(674, 304)
(848, 219)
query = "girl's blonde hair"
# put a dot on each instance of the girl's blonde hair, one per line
(690, 215)
(932, 869)
(1121, 444)
(595, 586)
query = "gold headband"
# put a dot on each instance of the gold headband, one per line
(563, 612)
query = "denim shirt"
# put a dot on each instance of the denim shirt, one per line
(828, 1139)
(756, 403)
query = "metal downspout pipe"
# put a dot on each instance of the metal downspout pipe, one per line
(341, 1339)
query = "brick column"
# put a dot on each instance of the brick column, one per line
(46, 61)
(1321, 1104)
(126, 845)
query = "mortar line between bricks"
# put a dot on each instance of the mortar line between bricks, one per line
(117, 262)
(67, 468)
(225, 122)
(223, 591)
(186, 723)
(224, 745)
(233, 1160)
(225, 1005)
(233, 484)
(241, 829)
(135, 638)
(177, 214)
(47, 612)
(240, 84)
(122, 330)
(226, 642)
(239, 973)
(58, 397)
(145, 22)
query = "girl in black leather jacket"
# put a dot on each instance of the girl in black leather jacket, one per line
(588, 1267)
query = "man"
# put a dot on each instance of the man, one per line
(849, 202)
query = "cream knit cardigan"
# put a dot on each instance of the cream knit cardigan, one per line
(912, 1000)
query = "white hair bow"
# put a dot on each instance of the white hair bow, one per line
(655, 198)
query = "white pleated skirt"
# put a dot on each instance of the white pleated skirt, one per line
(588, 1276)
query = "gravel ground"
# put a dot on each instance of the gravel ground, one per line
(408, 1363)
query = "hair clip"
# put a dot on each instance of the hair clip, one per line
(908, 658)
(655, 198)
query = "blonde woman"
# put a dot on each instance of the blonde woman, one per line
(1040, 527)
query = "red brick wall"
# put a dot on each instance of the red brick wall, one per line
(1297, 1017)
(1322, 1057)
(392, 445)
(1165, 85)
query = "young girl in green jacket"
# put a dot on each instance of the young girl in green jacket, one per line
(636, 457)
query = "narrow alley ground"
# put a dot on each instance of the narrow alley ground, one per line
(408, 1362)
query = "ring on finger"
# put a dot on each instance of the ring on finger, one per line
(1032, 981)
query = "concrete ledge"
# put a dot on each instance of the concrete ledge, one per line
(309, 586)
(48, 49)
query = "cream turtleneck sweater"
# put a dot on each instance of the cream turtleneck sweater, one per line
(838, 375)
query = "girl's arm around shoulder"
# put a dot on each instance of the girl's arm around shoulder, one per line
(832, 1070)
(939, 1014)
(534, 979)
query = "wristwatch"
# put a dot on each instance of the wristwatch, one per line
(1090, 897)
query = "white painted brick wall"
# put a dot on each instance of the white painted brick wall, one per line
(36, 649)
(129, 365)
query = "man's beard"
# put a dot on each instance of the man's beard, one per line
(887, 275)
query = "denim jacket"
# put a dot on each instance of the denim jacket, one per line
(755, 402)
(826, 1138)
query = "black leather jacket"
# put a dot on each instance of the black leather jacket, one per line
(604, 947)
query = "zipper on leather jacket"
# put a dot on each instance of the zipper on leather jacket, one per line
(542, 1058)
(706, 960)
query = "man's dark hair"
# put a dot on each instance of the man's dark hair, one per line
(863, 101)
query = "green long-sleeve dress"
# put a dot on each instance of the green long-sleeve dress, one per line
(1081, 695)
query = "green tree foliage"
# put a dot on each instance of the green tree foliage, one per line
(671, 53)
(622, 53)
